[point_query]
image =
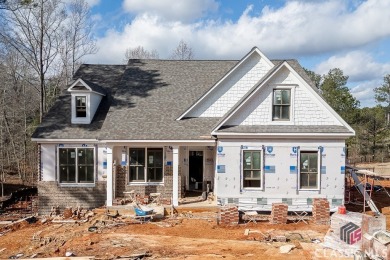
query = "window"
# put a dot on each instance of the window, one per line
(81, 106)
(155, 170)
(146, 165)
(281, 104)
(252, 169)
(308, 170)
(76, 165)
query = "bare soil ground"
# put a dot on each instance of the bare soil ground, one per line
(187, 236)
(179, 238)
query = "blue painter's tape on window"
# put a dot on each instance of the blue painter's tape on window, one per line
(342, 169)
(104, 165)
(323, 169)
(169, 163)
(293, 169)
(269, 169)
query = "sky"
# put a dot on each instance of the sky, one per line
(353, 35)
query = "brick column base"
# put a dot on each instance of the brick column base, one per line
(228, 215)
(279, 213)
(321, 211)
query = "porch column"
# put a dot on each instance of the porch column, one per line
(175, 185)
(109, 177)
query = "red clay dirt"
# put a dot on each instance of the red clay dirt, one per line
(189, 236)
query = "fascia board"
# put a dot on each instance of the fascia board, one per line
(82, 91)
(50, 140)
(284, 135)
(76, 82)
(255, 49)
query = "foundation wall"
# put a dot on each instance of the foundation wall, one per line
(52, 195)
(166, 188)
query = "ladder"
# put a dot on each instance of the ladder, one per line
(363, 191)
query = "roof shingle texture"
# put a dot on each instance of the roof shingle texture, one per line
(143, 101)
(145, 97)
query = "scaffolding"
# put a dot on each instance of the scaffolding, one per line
(364, 181)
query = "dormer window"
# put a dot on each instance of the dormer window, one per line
(85, 100)
(281, 105)
(81, 106)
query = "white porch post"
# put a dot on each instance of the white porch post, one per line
(109, 177)
(175, 185)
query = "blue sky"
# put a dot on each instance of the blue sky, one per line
(352, 35)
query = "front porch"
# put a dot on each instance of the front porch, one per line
(178, 174)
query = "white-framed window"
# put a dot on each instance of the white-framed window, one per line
(252, 168)
(309, 170)
(81, 106)
(146, 165)
(281, 105)
(76, 165)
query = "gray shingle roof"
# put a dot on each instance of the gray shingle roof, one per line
(143, 100)
(95, 87)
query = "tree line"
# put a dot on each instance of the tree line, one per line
(42, 43)
(372, 124)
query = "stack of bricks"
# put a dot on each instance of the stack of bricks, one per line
(279, 213)
(229, 215)
(321, 211)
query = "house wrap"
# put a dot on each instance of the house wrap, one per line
(253, 131)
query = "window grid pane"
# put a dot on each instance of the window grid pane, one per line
(67, 164)
(155, 159)
(81, 106)
(252, 169)
(281, 104)
(309, 170)
(76, 165)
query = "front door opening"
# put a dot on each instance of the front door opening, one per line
(196, 170)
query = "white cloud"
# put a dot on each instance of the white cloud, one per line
(183, 10)
(364, 92)
(358, 65)
(93, 2)
(296, 29)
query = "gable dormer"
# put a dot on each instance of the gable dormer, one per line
(232, 87)
(86, 97)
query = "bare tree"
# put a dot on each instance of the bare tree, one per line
(13, 5)
(17, 112)
(35, 34)
(78, 39)
(140, 53)
(182, 52)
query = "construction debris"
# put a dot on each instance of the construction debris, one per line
(285, 249)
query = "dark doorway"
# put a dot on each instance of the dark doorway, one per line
(196, 170)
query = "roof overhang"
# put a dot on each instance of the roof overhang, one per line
(87, 90)
(284, 135)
